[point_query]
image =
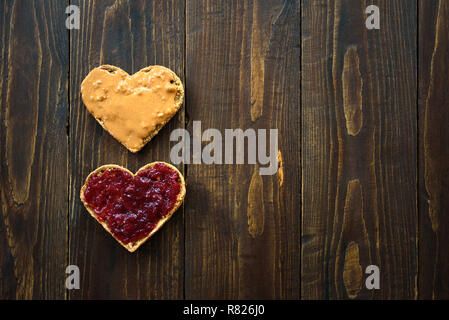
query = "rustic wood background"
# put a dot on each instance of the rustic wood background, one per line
(363, 142)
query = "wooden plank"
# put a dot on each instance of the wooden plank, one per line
(33, 149)
(359, 141)
(433, 142)
(242, 229)
(131, 35)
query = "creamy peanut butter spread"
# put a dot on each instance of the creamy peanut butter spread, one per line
(131, 108)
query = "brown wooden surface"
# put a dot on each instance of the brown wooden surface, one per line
(363, 147)
(131, 35)
(359, 141)
(33, 150)
(433, 150)
(242, 227)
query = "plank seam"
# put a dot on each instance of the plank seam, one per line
(418, 4)
(300, 154)
(184, 165)
(66, 295)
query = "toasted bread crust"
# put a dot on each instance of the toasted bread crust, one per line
(179, 100)
(133, 246)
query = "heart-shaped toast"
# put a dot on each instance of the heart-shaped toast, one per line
(132, 108)
(132, 207)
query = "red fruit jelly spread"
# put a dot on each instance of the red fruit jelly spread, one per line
(131, 206)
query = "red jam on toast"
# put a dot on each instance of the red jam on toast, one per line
(132, 205)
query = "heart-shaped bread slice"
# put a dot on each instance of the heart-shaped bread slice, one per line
(132, 108)
(132, 207)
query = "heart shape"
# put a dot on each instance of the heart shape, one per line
(132, 207)
(132, 108)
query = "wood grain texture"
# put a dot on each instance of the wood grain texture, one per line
(131, 35)
(352, 85)
(363, 159)
(433, 150)
(33, 149)
(242, 229)
(359, 176)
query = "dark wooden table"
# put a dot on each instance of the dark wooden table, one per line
(363, 122)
